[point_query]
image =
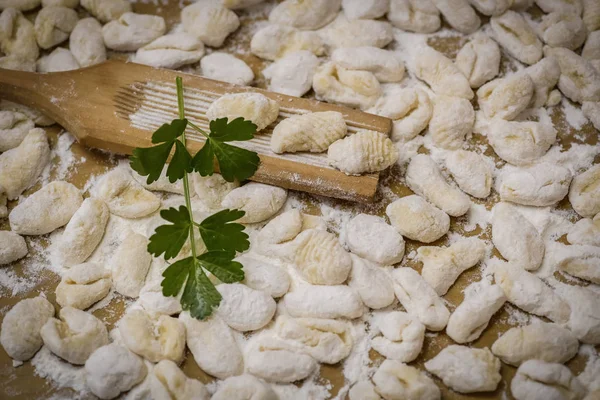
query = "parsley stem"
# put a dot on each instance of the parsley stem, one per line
(197, 128)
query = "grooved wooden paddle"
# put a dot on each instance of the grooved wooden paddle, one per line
(116, 106)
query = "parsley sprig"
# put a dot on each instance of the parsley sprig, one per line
(220, 234)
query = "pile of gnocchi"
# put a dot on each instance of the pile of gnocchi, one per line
(318, 291)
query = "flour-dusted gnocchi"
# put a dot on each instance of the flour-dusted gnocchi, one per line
(171, 51)
(276, 41)
(522, 142)
(479, 60)
(169, 382)
(453, 119)
(264, 276)
(160, 185)
(155, 303)
(591, 50)
(506, 98)
(214, 348)
(583, 263)
(16, 63)
(540, 341)
(33, 114)
(357, 33)
(46, 210)
(61, 3)
(245, 309)
(382, 63)
(83, 285)
(360, 9)
(517, 37)
(419, 299)
(465, 369)
(530, 293)
(571, 6)
(209, 21)
(365, 151)
(254, 107)
(585, 231)
(471, 171)
(112, 370)
(22, 5)
(313, 132)
(333, 83)
(363, 390)
(544, 74)
(579, 80)
(540, 185)
(3, 201)
(372, 238)
(539, 380)
(440, 73)
(106, 10)
(443, 265)
(591, 15)
(491, 7)
(75, 336)
(314, 301)
(12, 247)
(417, 219)
(292, 74)
(53, 25)
(211, 190)
(305, 15)
(130, 264)
(472, 316)
(584, 321)
(459, 14)
(14, 126)
(20, 331)
(562, 29)
(259, 201)
(59, 60)
(397, 381)
(17, 35)
(414, 15)
(371, 282)
(227, 68)
(584, 193)
(402, 339)
(132, 31)
(239, 4)
(244, 387)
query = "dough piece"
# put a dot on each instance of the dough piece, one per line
(419, 299)
(133, 31)
(459, 14)
(361, 9)
(591, 15)
(579, 80)
(315, 301)
(440, 73)
(22, 5)
(591, 50)
(263, 276)
(162, 184)
(21, 166)
(254, 107)
(211, 190)
(16, 63)
(245, 309)
(540, 341)
(471, 171)
(363, 390)
(259, 201)
(171, 51)
(53, 25)
(549, 6)
(227, 68)
(539, 380)
(562, 29)
(61, 3)
(479, 59)
(506, 98)
(420, 16)
(83, 285)
(313, 132)
(530, 293)
(335, 84)
(466, 370)
(306, 14)
(130, 265)
(544, 74)
(214, 348)
(491, 7)
(59, 60)
(112, 370)
(453, 119)
(155, 339)
(584, 321)
(276, 41)
(327, 340)
(124, 196)
(170, 383)
(3, 200)
(239, 4)
(472, 316)
(20, 333)
(46, 210)
(520, 143)
(583, 264)
(17, 35)
(584, 194)
(292, 74)
(416, 219)
(521, 5)
(14, 126)
(75, 336)
(364, 152)
(424, 178)
(540, 185)
(586, 231)
(443, 265)
(371, 282)
(35, 115)
(591, 110)
(357, 33)
(209, 21)
(12, 247)
(402, 338)
(382, 63)
(397, 381)
(155, 303)
(106, 10)
(372, 238)
(244, 387)
(517, 37)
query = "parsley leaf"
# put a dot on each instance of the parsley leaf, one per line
(218, 233)
(169, 239)
(180, 163)
(169, 132)
(221, 265)
(150, 161)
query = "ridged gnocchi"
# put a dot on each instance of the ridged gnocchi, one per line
(584, 193)
(540, 185)
(305, 15)
(382, 63)
(86, 42)
(53, 25)
(365, 151)
(259, 201)
(132, 31)
(417, 219)
(440, 73)
(83, 285)
(130, 265)
(313, 132)
(479, 60)
(517, 37)
(371, 282)
(453, 119)
(333, 83)
(459, 14)
(415, 15)
(506, 98)
(275, 41)
(254, 107)
(209, 21)
(211, 190)
(402, 339)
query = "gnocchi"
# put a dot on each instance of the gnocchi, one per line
(453, 119)
(132, 31)
(311, 301)
(305, 15)
(506, 98)
(382, 63)
(549, 6)
(245, 309)
(584, 321)
(35, 115)
(244, 387)
(420, 16)
(53, 25)
(14, 126)
(131, 263)
(160, 185)
(12, 247)
(264, 276)
(479, 60)
(227, 68)
(397, 381)
(16, 63)
(313, 132)
(62, 3)
(540, 185)
(83, 285)
(459, 14)
(209, 21)
(415, 218)
(544, 74)
(583, 264)
(292, 74)
(585, 231)
(155, 303)
(106, 10)
(211, 190)
(584, 192)
(359, 9)
(591, 15)
(471, 171)
(22, 5)
(370, 237)
(538, 380)
(440, 73)
(491, 7)
(562, 29)
(402, 339)
(275, 41)
(333, 83)
(259, 201)
(517, 37)
(591, 49)
(239, 4)
(371, 282)
(365, 151)
(17, 36)
(59, 60)
(357, 33)
(363, 390)
(171, 51)
(254, 107)
(3, 200)
(170, 382)
(579, 80)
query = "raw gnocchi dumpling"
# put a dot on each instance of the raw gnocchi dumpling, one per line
(540, 185)
(420, 16)
(254, 107)
(292, 74)
(371, 282)
(472, 316)
(33, 114)
(22, 5)
(335, 84)
(397, 381)
(306, 14)
(544, 74)
(372, 238)
(83, 285)
(419, 299)
(517, 37)
(160, 185)
(59, 60)
(14, 126)
(132, 31)
(583, 264)
(591, 110)
(75, 336)
(155, 303)
(244, 309)
(491, 7)
(169, 382)
(585, 312)
(382, 63)
(264, 276)
(506, 98)
(440, 73)
(363, 152)
(209, 21)
(46, 210)
(53, 25)
(227, 68)
(62, 3)
(417, 219)
(453, 119)
(584, 193)
(106, 10)
(479, 60)
(562, 29)
(591, 15)
(112, 370)
(171, 51)
(443, 265)
(402, 339)
(585, 231)
(549, 6)
(12, 247)
(313, 132)
(579, 80)
(539, 380)
(131, 263)
(16, 63)
(20, 167)
(244, 387)
(3, 201)
(276, 41)
(259, 201)
(520, 142)
(357, 33)
(361, 9)
(315, 301)
(363, 390)
(211, 190)
(20, 332)
(459, 14)
(471, 171)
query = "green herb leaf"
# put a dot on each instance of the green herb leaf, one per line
(203, 161)
(175, 276)
(235, 163)
(169, 239)
(218, 233)
(180, 163)
(169, 132)
(150, 161)
(200, 296)
(237, 130)
(221, 265)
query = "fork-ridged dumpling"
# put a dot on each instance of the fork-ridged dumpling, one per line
(86, 42)
(414, 15)
(459, 14)
(132, 31)
(336, 84)
(491, 7)
(275, 41)
(254, 107)
(365, 151)
(211, 190)
(306, 14)
(209, 21)
(313, 132)
(517, 37)
(507, 97)
(53, 25)
(440, 73)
